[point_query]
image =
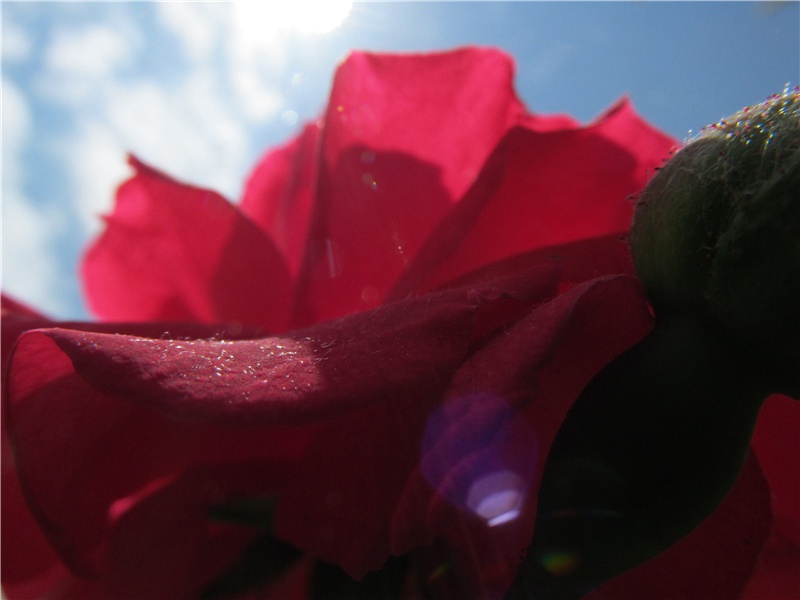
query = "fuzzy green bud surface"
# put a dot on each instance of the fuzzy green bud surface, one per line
(717, 233)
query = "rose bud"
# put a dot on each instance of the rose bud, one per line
(717, 234)
(658, 438)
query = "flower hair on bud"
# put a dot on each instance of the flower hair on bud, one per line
(760, 123)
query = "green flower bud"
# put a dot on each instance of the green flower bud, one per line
(717, 233)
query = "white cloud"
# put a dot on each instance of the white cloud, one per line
(95, 51)
(195, 126)
(196, 25)
(95, 159)
(80, 62)
(256, 18)
(261, 102)
(253, 42)
(188, 131)
(17, 45)
(30, 271)
(16, 128)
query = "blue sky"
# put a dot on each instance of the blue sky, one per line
(201, 89)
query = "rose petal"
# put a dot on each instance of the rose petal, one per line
(80, 402)
(550, 191)
(447, 109)
(32, 565)
(163, 545)
(776, 442)
(176, 252)
(279, 194)
(33, 569)
(356, 468)
(485, 448)
(776, 573)
(340, 503)
(306, 375)
(68, 436)
(715, 560)
(355, 471)
(401, 145)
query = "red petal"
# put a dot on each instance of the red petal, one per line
(32, 568)
(447, 109)
(354, 472)
(485, 447)
(776, 574)
(549, 191)
(79, 450)
(307, 375)
(163, 545)
(340, 504)
(777, 444)
(176, 252)
(14, 307)
(80, 402)
(32, 565)
(713, 562)
(280, 192)
(404, 138)
(17, 318)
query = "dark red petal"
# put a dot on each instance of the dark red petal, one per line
(715, 561)
(176, 252)
(279, 194)
(775, 576)
(78, 451)
(490, 437)
(340, 504)
(404, 137)
(354, 472)
(32, 565)
(16, 319)
(81, 403)
(306, 375)
(321, 372)
(550, 191)
(776, 442)
(15, 307)
(163, 545)
(32, 568)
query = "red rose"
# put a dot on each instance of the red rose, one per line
(367, 358)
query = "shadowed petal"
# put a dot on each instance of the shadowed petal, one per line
(392, 162)
(550, 191)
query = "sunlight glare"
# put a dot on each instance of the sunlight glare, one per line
(257, 18)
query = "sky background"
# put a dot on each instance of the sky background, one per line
(202, 89)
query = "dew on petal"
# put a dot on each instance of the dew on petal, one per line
(369, 181)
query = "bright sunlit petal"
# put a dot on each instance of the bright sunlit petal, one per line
(257, 18)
